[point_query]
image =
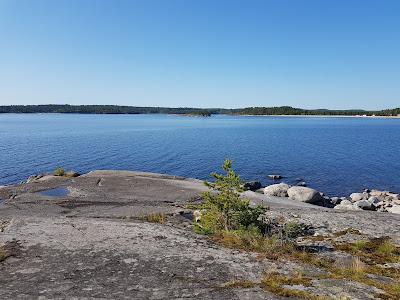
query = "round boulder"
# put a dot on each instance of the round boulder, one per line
(304, 194)
(364, 204)
(278, 190)
(358, 196)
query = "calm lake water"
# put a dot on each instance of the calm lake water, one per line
(334, 155)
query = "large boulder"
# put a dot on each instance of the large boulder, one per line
(358, 196)
(375, 202)
(364, 204)
(304, 194)
(279, 190)
(252, 185)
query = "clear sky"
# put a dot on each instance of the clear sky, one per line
(304, 53)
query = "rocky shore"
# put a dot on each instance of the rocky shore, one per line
(373, 200)
(95, 236)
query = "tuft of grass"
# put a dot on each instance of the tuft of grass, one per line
(360, 245)
(387, 248)
(4, 254)
(294, 229)
(155, 218)
(59, 172)
(252, 240)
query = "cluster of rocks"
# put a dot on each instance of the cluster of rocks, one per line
(382, 201)
(374, 200)
(298, 193)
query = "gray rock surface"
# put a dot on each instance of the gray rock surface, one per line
(395, 209)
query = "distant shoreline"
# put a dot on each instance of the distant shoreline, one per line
(322, 116)
(201, 116)
(247, 111)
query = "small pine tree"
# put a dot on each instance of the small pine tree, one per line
(223, 202)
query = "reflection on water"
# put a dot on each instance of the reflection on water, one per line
(57, 192)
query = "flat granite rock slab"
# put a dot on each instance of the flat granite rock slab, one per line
(116, 260)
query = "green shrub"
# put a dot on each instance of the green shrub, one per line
(223, 207)
(294, 229)
(211, 221)
(59, 172)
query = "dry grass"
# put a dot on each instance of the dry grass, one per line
(9, 249)
(367, 255)
(358, 271)
(4, 254)
(374, 251)
(347, 231)
(155, 218)
(268, 247)
(275, 283)
(387, 248)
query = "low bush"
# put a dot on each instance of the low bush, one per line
(59, 172)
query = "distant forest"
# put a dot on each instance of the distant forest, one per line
(115, 109)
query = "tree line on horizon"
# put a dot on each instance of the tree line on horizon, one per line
(116, 109)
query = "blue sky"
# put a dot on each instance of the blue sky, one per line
(303, 53)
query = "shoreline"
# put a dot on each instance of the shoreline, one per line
(324, 116)
(221, 114)
(270, 181)
(367, 199)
